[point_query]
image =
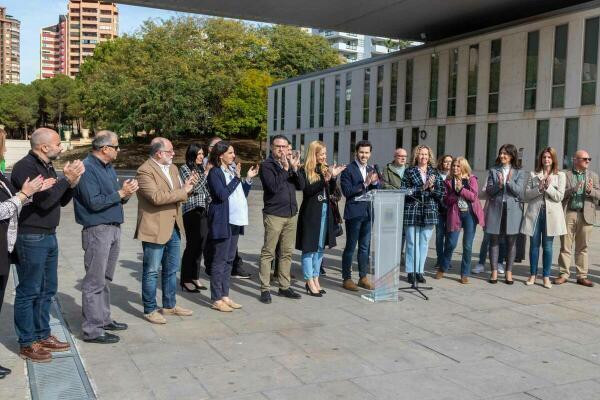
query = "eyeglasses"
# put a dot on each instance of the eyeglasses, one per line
(168, 151)
(587, 159)
(113, 147)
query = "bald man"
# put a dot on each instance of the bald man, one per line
(36, 246)
(582, 193)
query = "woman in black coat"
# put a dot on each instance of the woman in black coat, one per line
(315, 220)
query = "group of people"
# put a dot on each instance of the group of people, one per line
(206, 199)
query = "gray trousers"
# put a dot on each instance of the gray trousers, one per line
(101, 244)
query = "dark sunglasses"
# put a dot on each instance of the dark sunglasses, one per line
(585, 158)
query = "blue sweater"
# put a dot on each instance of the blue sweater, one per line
(96, 197)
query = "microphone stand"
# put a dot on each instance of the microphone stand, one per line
(415, 284)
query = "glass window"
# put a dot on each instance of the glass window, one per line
(399, 137)
(365, 135)
(294, 142)
(571, 139)
(275, 101)
(336, 112)
(298, 105)
(379, 105)
(531, 67)
(541, 135)
(408, 91)
(366, 89)
(415, 137)
(336, 146)
(590, 62)
(312, 104)
(452, 79)
(282, 108)
(470, 144)
(348, 97)
(441, 140)
(492, 144)
(352, 144)
(472, 80)
(495, 54)
(433, 85)
(393, 91)
(302, 144)
(320, 136)
(321, 102)
(559, 68)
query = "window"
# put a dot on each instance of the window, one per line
(379, 105)
(336, 111)
(433, 85)
(441, 140)
(282, 108)
(312, 104)
(494, 90)
(302, 144)
(321, 102)
(366, 87)
(470, 144)
(408, 92)
(492, 144)
(320, 136)
(452, 79)
(352, 144)
(472, 79)
(348, 97)
(415, 137)
(294, 142)
(531, 67)
(399, 137)
(275, 101)
(393, 91)
(559, 68)
(590, 62)
(336, 146)
(541, 135)
(298, 105)
(365, 135)
(571, 139)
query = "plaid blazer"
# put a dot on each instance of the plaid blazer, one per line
(421, 208)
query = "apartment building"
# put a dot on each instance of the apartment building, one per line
(531, 82)
(53, 49)
(355, 47)
(10, 52)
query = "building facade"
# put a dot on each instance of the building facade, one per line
(532, 84)
(10, 48)
(355, 47)
(53, 49)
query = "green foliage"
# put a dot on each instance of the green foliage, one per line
(58, 102)
(18, 107)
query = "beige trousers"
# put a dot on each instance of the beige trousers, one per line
(578, 232)
(280, 230)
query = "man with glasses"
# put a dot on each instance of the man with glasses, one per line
(582, 193)
(394, 171)
(98, 202)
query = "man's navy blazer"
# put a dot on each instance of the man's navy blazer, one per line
(353, 185)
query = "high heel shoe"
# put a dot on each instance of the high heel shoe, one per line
(200, 287)
(310, 292)
(186, 289)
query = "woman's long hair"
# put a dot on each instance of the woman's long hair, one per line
(310, 161)
(191, 153)
(2, 143)
(217, 151)
(538, 165)
(415, 155)
(511, 150)
(465, 169)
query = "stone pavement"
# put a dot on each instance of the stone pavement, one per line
(467, 342)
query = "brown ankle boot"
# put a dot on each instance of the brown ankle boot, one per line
(350, 285)
(439, 274)
(365, 283)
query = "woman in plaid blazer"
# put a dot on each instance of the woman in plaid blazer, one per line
(421, 211)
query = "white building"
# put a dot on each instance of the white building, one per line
(355, 47)
(532, 83)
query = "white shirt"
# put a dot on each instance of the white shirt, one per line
(238, 205)
(165, 169)
(363, 170)
(505, 172)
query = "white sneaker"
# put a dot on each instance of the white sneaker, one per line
(479, 268)
(500, 268)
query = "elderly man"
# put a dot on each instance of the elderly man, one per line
(159, 227)
(36, 246)
(582, 193)
(98, 201)
(394, 171)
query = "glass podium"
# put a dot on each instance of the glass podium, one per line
(387, 213)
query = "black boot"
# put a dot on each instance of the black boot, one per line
(420, 278)
(410, 277)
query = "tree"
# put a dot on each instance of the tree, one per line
(56, 100)
(18, 106)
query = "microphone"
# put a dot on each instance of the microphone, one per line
(378, 172)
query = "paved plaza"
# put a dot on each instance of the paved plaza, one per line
(476, 341)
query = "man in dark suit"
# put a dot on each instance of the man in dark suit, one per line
(357, 179)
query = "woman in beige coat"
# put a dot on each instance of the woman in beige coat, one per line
(544, 218)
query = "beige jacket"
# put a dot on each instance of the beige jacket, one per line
(591, 199)
(159, 206)
(552, 198)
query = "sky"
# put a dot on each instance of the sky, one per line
(35, 14)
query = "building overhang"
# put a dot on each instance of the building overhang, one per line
(423, 20)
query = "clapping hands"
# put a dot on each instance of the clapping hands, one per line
(253, 171)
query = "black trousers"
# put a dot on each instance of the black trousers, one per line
(3, 282)
(195, 223)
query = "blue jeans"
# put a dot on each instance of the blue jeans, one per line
(485, 245)
(468, 223)
(358, 230)
(311, 262)
(156, 255)
(540, 237)
(441, 239)
(222, 264)
(38, 282)
(417, 238)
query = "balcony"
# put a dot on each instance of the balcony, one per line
(335, 34)
(380, 49)
(345, 47)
